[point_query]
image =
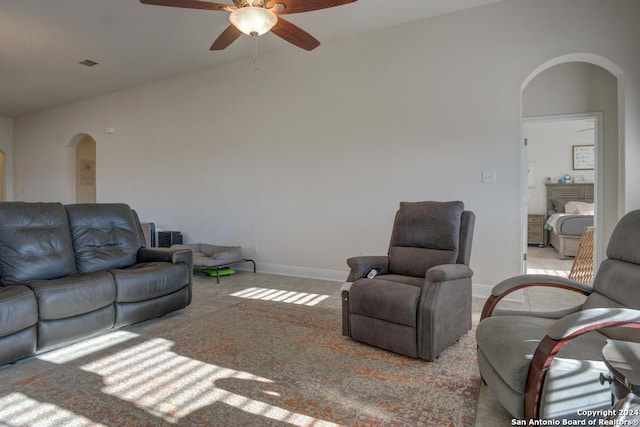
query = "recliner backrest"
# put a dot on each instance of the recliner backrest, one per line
(105, 235)
(426, 234)
(617, 283)
(35, 242)
(466, 237)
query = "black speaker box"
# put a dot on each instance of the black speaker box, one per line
(168, 238)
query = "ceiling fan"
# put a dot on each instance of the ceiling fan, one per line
(256, 17)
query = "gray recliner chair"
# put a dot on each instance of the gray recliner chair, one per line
(419, 302)
(548, 365)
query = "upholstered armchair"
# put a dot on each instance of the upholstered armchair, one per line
(547, 365)
(419, 301)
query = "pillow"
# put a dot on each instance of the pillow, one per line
(584, 208)
(571, 208)
(558, 205)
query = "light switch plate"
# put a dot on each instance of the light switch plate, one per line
(488, 177)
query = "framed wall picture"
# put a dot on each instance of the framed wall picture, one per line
(584, 157)
(87, 172)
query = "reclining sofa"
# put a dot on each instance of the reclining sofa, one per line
(72, 271)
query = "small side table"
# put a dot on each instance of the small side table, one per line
(622, 358)
(535, 230)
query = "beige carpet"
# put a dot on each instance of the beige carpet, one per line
(256, 363)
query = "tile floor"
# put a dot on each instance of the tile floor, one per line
(546, 261)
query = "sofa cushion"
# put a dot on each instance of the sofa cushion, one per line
(105, 235)
(18, 345)
(407, 280)
(73, 295)
(35, 242)
(54, 333)
(149, 280)
(18, 309)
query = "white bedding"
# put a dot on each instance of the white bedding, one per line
(553, 219)
(568, 224)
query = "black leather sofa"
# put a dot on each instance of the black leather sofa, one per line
(72, 271)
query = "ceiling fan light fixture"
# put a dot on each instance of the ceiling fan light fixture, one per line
(253, 20)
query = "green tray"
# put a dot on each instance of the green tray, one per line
(221, 272)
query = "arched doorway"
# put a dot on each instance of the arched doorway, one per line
(82, 169)
(550, 144)
(581, 85)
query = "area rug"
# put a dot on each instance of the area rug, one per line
(256, 363)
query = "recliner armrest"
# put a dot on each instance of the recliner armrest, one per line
(515, 283)
(445, 272)
(528, 280)
(346, 287)
(592, 319)
(362, 265)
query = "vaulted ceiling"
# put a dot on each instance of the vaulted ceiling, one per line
(43, 41)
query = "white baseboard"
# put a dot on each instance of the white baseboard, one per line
(478, 289)
(484, 291)
(306, 272)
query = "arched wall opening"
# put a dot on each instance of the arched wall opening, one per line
(598, 89)
(81, 169)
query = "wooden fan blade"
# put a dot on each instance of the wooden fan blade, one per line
(297, 6)
(189, 4)
(227, 37)
(294, 34)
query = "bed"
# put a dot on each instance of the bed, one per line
(569, 210)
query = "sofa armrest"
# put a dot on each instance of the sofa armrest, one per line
(172, 255)
(515, 283)
(362, 265)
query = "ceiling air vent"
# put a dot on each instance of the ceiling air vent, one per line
(88, 63)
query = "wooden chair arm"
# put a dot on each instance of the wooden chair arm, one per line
(508, 286)
(549, 347)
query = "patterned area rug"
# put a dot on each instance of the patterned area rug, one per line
(256, 363)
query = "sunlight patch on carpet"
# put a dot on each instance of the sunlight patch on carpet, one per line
(265, 294)
(170, 386)
(16, 409)
(86, 347)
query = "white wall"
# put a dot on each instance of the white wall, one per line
(307, 161)
(6, 146)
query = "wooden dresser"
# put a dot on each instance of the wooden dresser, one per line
(535, 230)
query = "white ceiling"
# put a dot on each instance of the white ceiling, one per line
(42, 41)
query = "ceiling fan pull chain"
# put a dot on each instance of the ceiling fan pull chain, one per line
(254, 35)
